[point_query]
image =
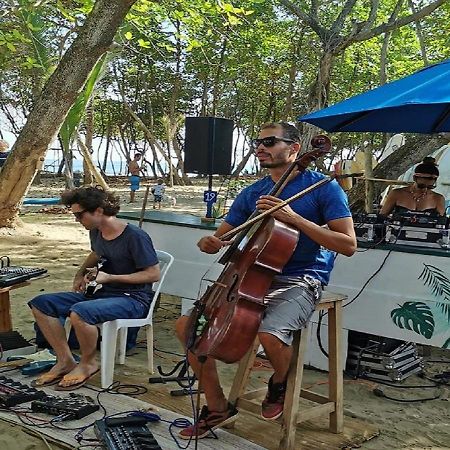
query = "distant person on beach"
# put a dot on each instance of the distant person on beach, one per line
(129, 266)
(4, 147)
(158, 192)
(134, 170)
(420, 196)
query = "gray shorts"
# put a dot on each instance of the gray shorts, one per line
(291, 302)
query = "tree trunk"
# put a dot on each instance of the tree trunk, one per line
(57, 97)
(319, 91)
(88, 161)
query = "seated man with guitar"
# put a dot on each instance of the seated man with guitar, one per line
(123, 263)
(322, 223)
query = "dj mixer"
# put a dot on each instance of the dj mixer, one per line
(414, 228)
(12, 275)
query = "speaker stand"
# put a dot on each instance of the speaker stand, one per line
(209, 197)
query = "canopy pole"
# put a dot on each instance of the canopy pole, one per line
(368, 173)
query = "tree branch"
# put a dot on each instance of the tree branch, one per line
(386, 27)
(372, 15)
(309, 19)
(339, 22)
(314, 8)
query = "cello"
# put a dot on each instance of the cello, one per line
(226, 319)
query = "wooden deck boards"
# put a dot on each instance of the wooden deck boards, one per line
(309, 436)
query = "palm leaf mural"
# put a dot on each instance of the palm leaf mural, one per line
(415, 316)
(439, 284)
(446, 343)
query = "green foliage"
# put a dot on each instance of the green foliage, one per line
(236, 185)
(446, 343)
(218, 209)
(76, 113)
(226, 58)
(414, 316)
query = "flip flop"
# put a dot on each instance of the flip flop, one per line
(50, 382)
(75, 386)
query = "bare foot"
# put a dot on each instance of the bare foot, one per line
(55, 373)
(79, 374)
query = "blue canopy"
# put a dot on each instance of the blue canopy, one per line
(418, 103)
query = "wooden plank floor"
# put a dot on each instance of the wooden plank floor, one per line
(309, 436)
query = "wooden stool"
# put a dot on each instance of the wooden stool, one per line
(331, 405)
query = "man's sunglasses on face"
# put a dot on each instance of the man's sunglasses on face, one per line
(269, 141)
(79, 214)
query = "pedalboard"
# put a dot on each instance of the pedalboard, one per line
(74, 407)
(13, 393)
(125, 433)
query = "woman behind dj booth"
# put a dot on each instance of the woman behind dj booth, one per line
(419, 196)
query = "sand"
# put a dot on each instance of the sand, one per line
(52, 239)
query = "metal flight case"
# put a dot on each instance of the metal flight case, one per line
(379, 358)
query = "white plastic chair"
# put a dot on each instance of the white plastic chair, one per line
(119, 328)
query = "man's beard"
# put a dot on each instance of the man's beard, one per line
(271, 164)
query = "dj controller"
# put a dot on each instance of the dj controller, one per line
(414, 228)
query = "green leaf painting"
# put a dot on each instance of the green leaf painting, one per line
(436, 279)
(415, 316)
(446, 343)
(439, 284)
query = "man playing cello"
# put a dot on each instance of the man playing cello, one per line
(294, 293)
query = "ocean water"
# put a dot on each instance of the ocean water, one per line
(112, 167)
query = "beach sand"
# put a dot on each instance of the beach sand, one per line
(53, 240)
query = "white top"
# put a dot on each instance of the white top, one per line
(158, 189)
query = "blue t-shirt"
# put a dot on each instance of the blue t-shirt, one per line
(326, 203)
(130, 252)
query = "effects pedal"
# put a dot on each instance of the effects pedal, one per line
(13, 393)
(74, 407)
(129, 433)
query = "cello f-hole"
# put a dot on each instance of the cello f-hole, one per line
(231, 296)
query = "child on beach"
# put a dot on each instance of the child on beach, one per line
(158, 192)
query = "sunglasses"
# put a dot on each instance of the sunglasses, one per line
(425, 177)
(269, 141)
(79, 214)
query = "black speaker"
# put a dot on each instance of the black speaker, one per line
(208, 145)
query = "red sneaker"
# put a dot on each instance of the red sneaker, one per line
(209, 421)
(272, 406)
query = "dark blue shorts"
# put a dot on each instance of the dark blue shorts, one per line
(92, 310)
